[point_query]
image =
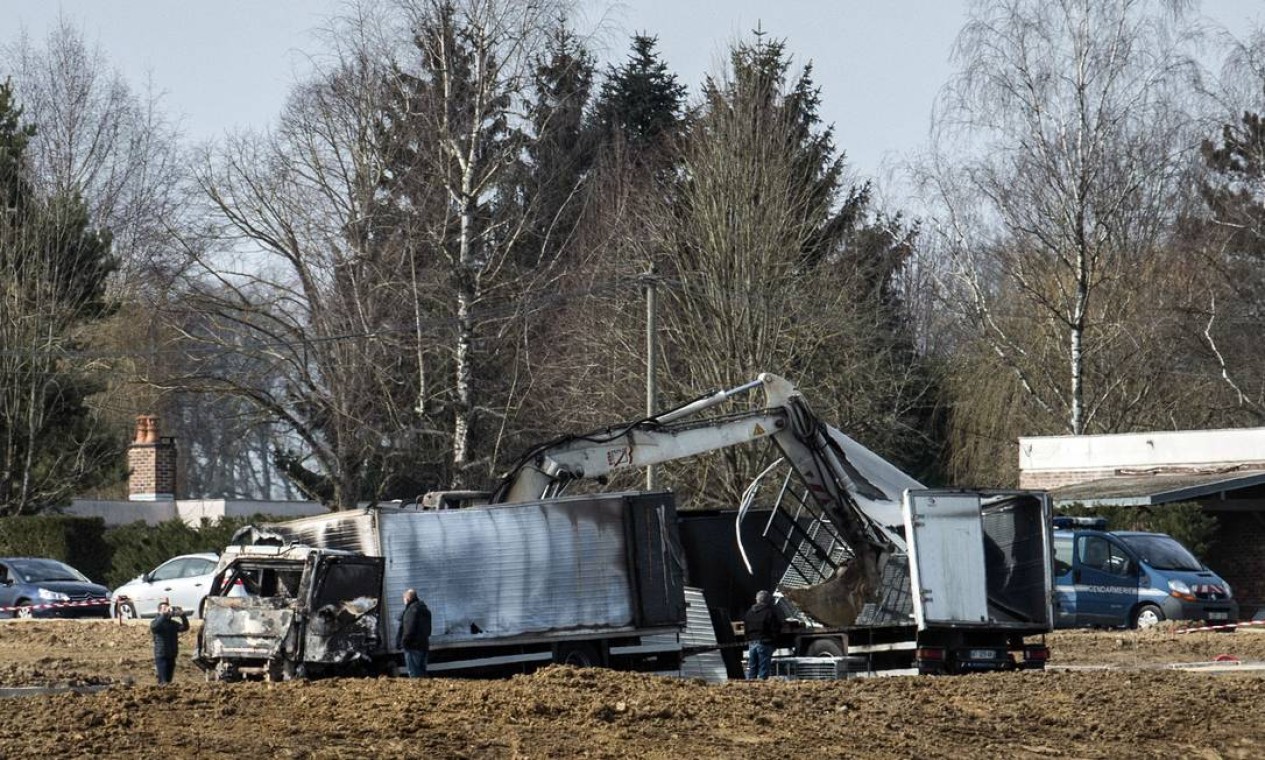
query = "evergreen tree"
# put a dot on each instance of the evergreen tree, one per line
(641, 101)
(782, 266)
(560, 151)
(53, 271)
(1234, 190)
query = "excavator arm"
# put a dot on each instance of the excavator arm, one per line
(857, 492)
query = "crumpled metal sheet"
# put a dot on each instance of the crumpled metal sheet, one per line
(245, 627)
(342, 633)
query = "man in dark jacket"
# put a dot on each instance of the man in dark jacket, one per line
(762, 624)
(414, 634)
(166, 631)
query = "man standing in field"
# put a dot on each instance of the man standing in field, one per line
(166, 633)
(414, 634)
(762, 624)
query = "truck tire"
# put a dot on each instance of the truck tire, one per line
(824, 648)
(579, 654)
(1147, 616)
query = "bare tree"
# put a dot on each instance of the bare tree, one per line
(378, 278)
(1230, 231)
(1061, 163)
(102, 140)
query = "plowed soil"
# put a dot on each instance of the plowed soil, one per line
(1118, 697)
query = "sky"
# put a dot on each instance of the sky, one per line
(222, 65)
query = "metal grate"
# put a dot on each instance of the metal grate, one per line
(896, 605)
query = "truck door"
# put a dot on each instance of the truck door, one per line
(344, 624)
(949, 578)
(1105, 581)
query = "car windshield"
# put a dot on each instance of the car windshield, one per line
(1162, 552)
(36, 570)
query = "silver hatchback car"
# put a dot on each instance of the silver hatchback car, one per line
(183, 581)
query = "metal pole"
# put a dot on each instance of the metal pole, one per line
(652, 481)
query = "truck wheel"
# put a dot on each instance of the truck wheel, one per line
(1147, 616)
(824, 648)
(578, 655)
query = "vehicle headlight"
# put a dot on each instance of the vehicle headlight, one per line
(1180, 590)
(1229, 594)
(55, 596)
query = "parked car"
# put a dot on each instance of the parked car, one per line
(38, 587)
(183, 581)
(1135, 580)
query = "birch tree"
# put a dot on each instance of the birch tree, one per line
(370, 270)
(1060, 164)
(460, 112)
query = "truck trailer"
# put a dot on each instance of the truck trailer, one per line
(584, 580)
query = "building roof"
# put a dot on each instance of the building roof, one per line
(1156, 488)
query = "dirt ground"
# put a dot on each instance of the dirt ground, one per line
(1118, 697)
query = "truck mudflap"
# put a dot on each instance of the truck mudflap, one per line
(243, 629)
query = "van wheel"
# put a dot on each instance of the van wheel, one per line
(127, 611)
(1147, 616)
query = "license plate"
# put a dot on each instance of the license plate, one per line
(1218, 616)
(983, 654)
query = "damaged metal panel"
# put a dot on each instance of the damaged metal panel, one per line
(353, 531)
(245, 627)
(658, 560)
(343, 624)
(980, 558)
(504, 571)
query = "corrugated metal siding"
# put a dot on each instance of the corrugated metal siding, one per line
(511, 570)
(700, 634)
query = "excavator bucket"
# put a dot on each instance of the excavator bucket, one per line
(839, 600)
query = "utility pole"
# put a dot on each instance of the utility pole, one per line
(650, 279)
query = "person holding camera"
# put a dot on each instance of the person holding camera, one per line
(166, 630)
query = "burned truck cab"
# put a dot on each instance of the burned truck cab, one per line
(282, 612)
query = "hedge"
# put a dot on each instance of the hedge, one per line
(77, 541)
(113, 556)
(137, 548)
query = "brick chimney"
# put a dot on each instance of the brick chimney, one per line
(151, 462)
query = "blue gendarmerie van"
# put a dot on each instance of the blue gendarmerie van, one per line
(1133, 579)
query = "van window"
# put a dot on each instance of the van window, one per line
(1101, 554)
(1162, 552)
(1062, 554)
